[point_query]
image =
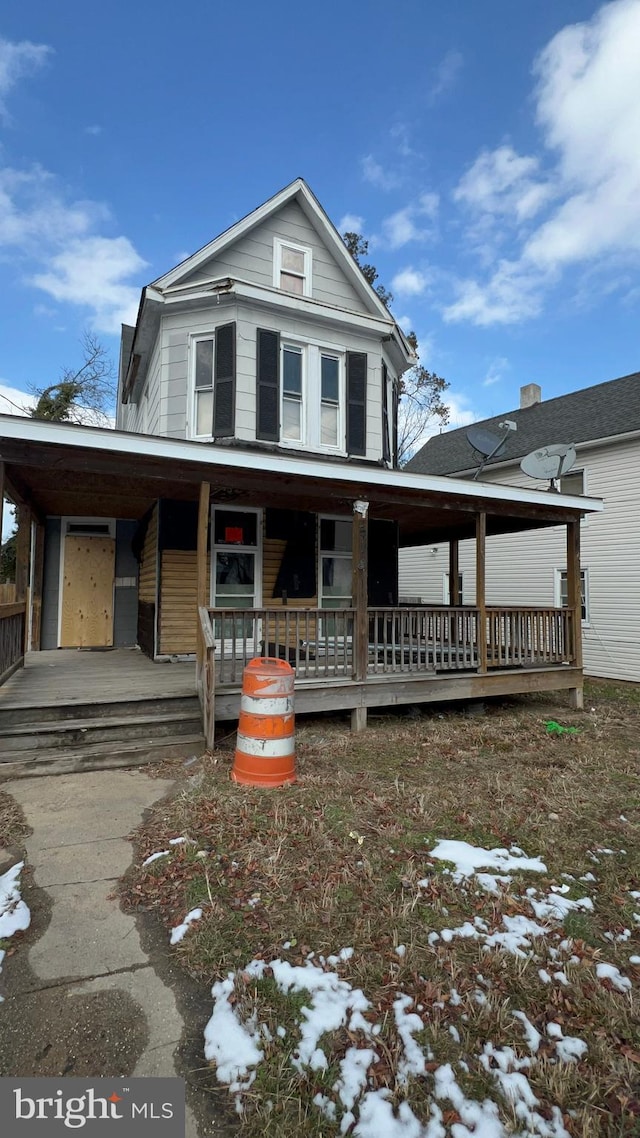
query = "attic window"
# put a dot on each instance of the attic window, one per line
(292, 267)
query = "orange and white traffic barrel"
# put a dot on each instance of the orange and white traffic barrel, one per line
(266, 745)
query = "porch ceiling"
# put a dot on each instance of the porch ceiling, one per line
(73, 478)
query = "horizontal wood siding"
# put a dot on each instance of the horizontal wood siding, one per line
(147, 572)
(251, 259)
(178, 602)
(521, 567)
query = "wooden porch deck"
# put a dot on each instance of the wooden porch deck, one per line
(69, 676)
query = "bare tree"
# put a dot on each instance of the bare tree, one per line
(82, 395)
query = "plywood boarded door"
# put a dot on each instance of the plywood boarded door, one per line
(87, 592)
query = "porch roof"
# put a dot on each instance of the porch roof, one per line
(65, 469)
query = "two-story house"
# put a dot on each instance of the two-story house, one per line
(248, 502)
(603, 422)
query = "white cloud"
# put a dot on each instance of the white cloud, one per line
(512, 294)
(504, 182)
(351, 223)
(408, 224)
(405, 322)
(409, 282)
(588, 108)
(376, 174)
(93, 272)
(496, 371)
(18, 60)
(400, 136)
(55, 242)
(461, 413)
(445, 75)
(94, 130)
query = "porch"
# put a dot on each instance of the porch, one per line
(308, 546)
(414, 654)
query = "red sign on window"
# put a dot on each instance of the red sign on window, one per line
(233, 535)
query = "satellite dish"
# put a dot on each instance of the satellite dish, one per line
(549, 462)
(487, 444)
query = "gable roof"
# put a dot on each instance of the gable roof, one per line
(299, 191)
(599, 412)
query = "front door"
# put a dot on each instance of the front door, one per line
(236, 577)
(87, 592)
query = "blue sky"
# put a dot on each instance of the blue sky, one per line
(490, 152)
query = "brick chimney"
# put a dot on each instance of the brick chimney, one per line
(529, 394)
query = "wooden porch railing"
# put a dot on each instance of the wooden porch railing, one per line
(12, 638)
(422, 639)
(319, 643)
(529, 637)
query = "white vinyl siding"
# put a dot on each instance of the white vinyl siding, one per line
(521, 568)
(251, 258)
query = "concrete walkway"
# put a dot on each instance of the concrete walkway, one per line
(90, 951)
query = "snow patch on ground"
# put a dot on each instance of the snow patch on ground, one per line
(14, 913)
(179, 931)
(154, 857)
(609, 972)
(468, 860)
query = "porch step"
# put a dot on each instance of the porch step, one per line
(23, 714)
(52, 734)
(97, 756)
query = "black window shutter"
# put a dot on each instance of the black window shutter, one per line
(356, 403)
(268, 386)
(386, 448)
(224, 382)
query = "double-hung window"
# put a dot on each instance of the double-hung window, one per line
(301, 393)
(213, 369)
(291, 267)
(292, 383)
(562, 592)
(330, 401)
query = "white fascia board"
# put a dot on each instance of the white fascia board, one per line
(274, 298)
(233, 233)
(280, 465)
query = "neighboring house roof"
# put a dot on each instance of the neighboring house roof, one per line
(595, 413)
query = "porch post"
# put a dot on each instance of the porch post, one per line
(481, 604)
(36, 587)
(359, 556)
(574, 604)
(23, 544)
(454, 573)
(202, 577)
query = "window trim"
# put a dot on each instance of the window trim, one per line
(280, 243)
(584, 572)
(255, 549)
(312, 352)
(195, 338)
(342, 553)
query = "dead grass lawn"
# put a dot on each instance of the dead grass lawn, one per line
(335, 861)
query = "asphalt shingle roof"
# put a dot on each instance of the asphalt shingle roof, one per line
(599, 412)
